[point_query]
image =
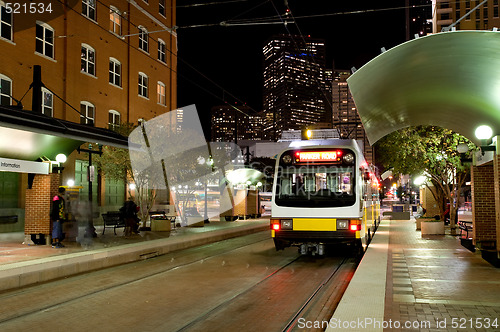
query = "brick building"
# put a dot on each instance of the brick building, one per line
(102, 63)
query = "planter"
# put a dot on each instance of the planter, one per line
(161, 225)
(419, 221)
(434, 227)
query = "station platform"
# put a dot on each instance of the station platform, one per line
(408, 283)
(22, 265)
(403, 283)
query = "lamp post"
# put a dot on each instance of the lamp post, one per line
(210, 163)
(90, 232)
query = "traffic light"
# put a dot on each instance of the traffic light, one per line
(306, 134)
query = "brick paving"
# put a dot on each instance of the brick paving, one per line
(435, 284)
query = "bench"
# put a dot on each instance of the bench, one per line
(112, 219)
(8, 219)
(465, 227)
(465, 240)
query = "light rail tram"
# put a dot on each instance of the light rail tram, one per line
(323, 193)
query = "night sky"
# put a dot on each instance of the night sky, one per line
(218, 64)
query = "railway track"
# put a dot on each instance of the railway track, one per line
(241, 284)
(254, 308)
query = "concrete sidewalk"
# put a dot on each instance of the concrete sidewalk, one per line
(409, 283)
(22, 265)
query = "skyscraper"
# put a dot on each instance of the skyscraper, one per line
(233, 124)
(345, 114)
(294, 84)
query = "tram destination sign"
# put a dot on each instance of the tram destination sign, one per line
(23, 166)
(318, 156)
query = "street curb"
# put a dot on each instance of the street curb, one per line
(20, 274)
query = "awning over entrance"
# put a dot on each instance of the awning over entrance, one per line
(449, 79)
(26, 135)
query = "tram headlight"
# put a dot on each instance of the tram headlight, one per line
(349, 158)
(287, 159)
(342, 224)
(287, 224)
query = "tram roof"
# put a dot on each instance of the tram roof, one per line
(449, 79)
(29, 136)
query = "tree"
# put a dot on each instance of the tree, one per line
(431, 151)
(114, 163)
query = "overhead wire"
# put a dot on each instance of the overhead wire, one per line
(276, 19)
(210, 3)
(169, 66)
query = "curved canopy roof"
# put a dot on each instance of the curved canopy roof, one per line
(30, 136)
(449, 79)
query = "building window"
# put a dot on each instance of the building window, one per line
(114, 119)
(44, 39)
(88, 59)
(47, 102)
(115, 20)
(143, 39)
(5, 23)
(143, 85)
(115, 72)
(162, 100)
(5, 90)
(88, 9)
(161, 50)
(87, 113)
(162, 7)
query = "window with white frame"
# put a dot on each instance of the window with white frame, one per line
(162, 10)
(160, 88)
(115, 20)
(143, 39)
(114, 119)
(87, 113)
(115, 72)
(88, 59)
(5, 90)
(89, 9)
(5, 22)
(44, 39)
(161, 50)
(143, 85)
(47, 102)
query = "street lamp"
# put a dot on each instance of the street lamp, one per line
(484, 133)
(60, 159)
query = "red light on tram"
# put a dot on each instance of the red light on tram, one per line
(276, 227)
(354, 227)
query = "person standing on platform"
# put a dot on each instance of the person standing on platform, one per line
(58, 215)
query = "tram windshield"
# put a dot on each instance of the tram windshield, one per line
(316, 186)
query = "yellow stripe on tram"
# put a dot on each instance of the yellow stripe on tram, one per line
(314, 224)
